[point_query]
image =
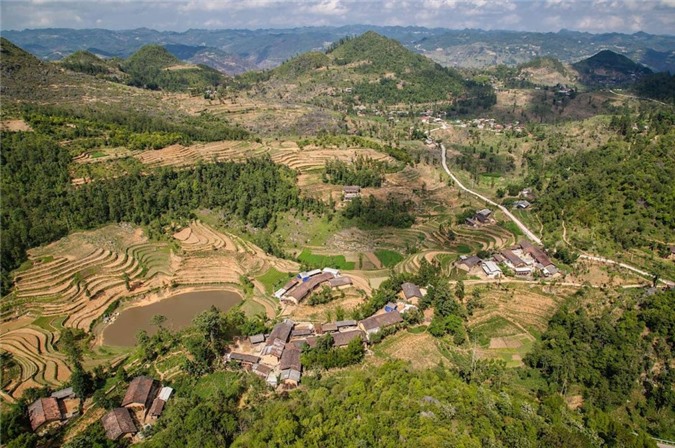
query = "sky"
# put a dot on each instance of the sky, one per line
(595, 16)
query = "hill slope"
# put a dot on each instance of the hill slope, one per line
(367, 69)
(154, 67)
(609, 68)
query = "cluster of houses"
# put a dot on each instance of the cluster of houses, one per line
(143, 402)
(50, 412)
(524, 260)
(275, 357)
(300, 286)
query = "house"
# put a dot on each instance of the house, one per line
(374, 324)
(338, 282)
(511, 259)
(165, 393)
(389, 307)
(262, 370)
(301, 291)
(523, 271)
(467, 263)
(300, 332)
(330, 327)
(118, 423)
(343, 339)
(491, 269)
(43, 412)
(350, 192)
(483, 215)
(142, 390)
(343, 325)
(279, 293)
(539, 256)
(335, 272)
(242, 358)
(257, 339)
(305, 276)
(289, 365)
(522, 205)
(64, 394)
(278, 338)
(156, 409)
(411, 291)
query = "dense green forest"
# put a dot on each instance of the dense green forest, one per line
(363, 171)
(375, 212)
(624, 190)
(620, 357)
(44, 208)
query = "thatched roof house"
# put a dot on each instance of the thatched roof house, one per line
(117, 423)
(43, 411)
(142, 390)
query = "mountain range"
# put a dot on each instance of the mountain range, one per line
(237, 51)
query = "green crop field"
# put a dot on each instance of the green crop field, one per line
(322, 261)
(388, 258)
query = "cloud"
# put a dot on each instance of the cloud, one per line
(654, 16)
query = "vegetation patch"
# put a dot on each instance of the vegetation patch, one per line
(316, 261)
(388, 258)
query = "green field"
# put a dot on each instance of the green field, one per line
(388, 258)
(273, 280)
(463, 249)
(511, 227)
(322, 261)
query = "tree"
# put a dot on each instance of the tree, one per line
(158, 321)
(459, 290)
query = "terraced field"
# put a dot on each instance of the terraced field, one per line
(72, 282)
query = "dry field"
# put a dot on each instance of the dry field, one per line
(420, 349)
(71, 283)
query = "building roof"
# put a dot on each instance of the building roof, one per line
(257, 338)
(281, 331)
(351, 189)
(536, 253)
(290, 359)
(329, 327)
(346, 323)
(381, 320)
(339, 281)
(243, 357)
(305, 288)
(262, 370)
(411, 290)
(486, 212)
(490, 267)
(165, 393)
(117, 423)
(301, 332)
(333, 271)
(470, 261)
(157, 407)
(499, 258)
(43, 410)
(63, 393)
(291, 283)
(512, 258)
(344, 338)
(290, 374)
(522, 204)
(275, 349)
(141, 391)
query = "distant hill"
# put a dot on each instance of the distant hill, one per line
(88, 63)
(154, 67)
(367, 69)
(241, 50)
(546, 71)
(608, 68)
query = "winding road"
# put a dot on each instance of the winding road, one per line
(531, 234)
(520, 225)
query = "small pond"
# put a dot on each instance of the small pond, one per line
(179, 311)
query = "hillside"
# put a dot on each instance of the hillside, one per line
(545, 70)
(608, 68)
(88, 63)
(154, 67)
(368, 69)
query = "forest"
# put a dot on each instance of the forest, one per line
(41, 209)
(362, 171)
(623, 190)
(371, 212)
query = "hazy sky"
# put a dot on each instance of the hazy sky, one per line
(628, 16)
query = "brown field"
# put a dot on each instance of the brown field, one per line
(420, 349)
(15, 126)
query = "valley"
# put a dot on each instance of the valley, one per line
(461, 225)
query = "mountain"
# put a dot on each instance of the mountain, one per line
(366, 69)
(83, 61)
(154, 67)
(608, 68)
(545, 70)
(268, 48)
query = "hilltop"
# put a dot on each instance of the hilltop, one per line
(88, 63)
(609, 68)
(368, 69)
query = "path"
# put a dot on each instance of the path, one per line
(520, 225)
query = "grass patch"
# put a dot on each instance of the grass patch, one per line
(211, 385)
(322, 261)
(511, 227)
(417, 330)
(252, 308)
(496, 326)
(273, 280)
(388, 258)
(463, 249)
